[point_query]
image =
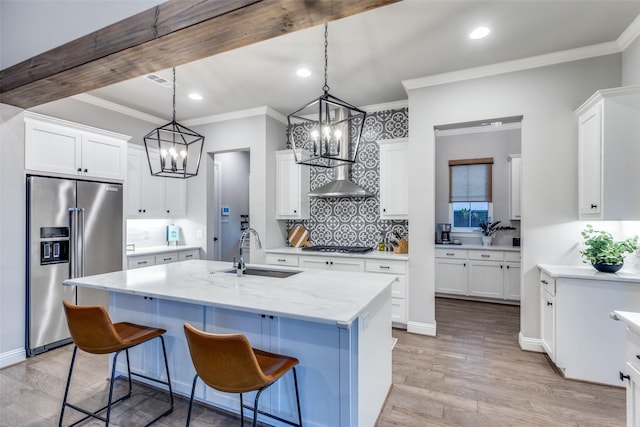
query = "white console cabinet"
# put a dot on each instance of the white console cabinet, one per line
(62, 147)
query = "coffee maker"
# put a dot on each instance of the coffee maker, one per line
(443, 234)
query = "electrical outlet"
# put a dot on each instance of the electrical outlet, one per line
(199, 234)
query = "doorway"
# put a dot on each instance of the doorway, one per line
(228, 202)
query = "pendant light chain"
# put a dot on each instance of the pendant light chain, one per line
(326, 58)
(174, 94)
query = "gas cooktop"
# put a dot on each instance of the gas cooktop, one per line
(341, 249)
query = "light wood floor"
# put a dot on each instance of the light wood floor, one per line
(472, 374)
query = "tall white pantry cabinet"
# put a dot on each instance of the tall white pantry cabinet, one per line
(609, 154)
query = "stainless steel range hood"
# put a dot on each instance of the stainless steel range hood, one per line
(341, 186)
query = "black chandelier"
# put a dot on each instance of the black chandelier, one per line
(326, 131)
(174, 150)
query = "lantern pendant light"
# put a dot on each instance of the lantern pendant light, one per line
(326, 131)
(174, 150)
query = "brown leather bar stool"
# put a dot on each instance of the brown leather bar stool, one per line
(229, 364)
(92, 331)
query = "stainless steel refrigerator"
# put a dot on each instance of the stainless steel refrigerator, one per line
(74, 229)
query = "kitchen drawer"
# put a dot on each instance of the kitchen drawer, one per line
(398, 311)
(487, 255)
(386, 266)
(632, 349)
(141, 261)
(451, 253)
(280, 259)
(166, 258)
(512, 256)
(399, 287)
(187, 255)
(547, 283)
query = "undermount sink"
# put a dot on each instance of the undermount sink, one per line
(252, 271)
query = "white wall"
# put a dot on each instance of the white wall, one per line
(546, 97)
(631, 64)
(256, 134)
(12, 235)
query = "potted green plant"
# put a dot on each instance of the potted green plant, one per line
(490, 229)
(603, 252)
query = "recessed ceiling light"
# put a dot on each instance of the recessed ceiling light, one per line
(303, 72)
(479, 33)
(195, 96)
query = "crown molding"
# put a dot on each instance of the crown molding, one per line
(629, 35)
(118, 108)
(234, 115)
(515, 65)
(477, 129)
(394, 105)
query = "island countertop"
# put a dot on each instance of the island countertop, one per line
(317, 295)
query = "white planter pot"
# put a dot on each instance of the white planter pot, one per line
(486, 240)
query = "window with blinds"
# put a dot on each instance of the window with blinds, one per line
(470, 192)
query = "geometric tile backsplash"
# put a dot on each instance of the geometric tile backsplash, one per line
(355, 221)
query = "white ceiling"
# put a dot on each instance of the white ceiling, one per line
(370, 54)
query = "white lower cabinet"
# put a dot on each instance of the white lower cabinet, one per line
(139, 261)
(548, 314)
(332, 263)
(399, 268)
(398, 289)
(492, 274)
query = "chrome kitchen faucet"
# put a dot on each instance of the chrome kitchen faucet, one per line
(240, 265)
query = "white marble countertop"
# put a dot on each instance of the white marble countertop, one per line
(479, 247)
(151, 250)
(631, 319)
(317, 295)
(286, 250)
(588, 272)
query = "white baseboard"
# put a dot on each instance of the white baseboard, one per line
(422, 328)
(12, 357)
(530, 344)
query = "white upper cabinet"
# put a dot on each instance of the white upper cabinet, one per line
(151, 196)
(609, 154)
(515, 176)
(394, 178)
(62, 147)
(292, 187)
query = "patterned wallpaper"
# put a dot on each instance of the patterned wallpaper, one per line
(355, 221)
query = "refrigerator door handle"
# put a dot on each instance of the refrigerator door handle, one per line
(81, 239)
(74, 255)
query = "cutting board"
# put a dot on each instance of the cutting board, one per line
(299, 236)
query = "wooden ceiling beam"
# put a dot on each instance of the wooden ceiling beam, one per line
(170, 34)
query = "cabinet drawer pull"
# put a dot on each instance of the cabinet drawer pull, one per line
(593, 206)
(281, 260)
(386, 267)
(485, 256)
(637, 356)
(142, 262)
(188, 256)
(549, 303)
(450, 254)
(624, 377)
(167, 259)
(544, 282)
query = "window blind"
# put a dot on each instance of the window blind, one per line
(470, 180)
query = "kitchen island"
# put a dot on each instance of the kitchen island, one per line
(335, 323)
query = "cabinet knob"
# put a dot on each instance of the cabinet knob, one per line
(79, 169)
(501, 267)
(295, 211)
(544, 281)
(326, 262)
(637, 356)
(168, 211)
(384, 209)
(549, 303)
(144, 210)
(139, 210)
(593, 206)
(624, 377)
(86, 170)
